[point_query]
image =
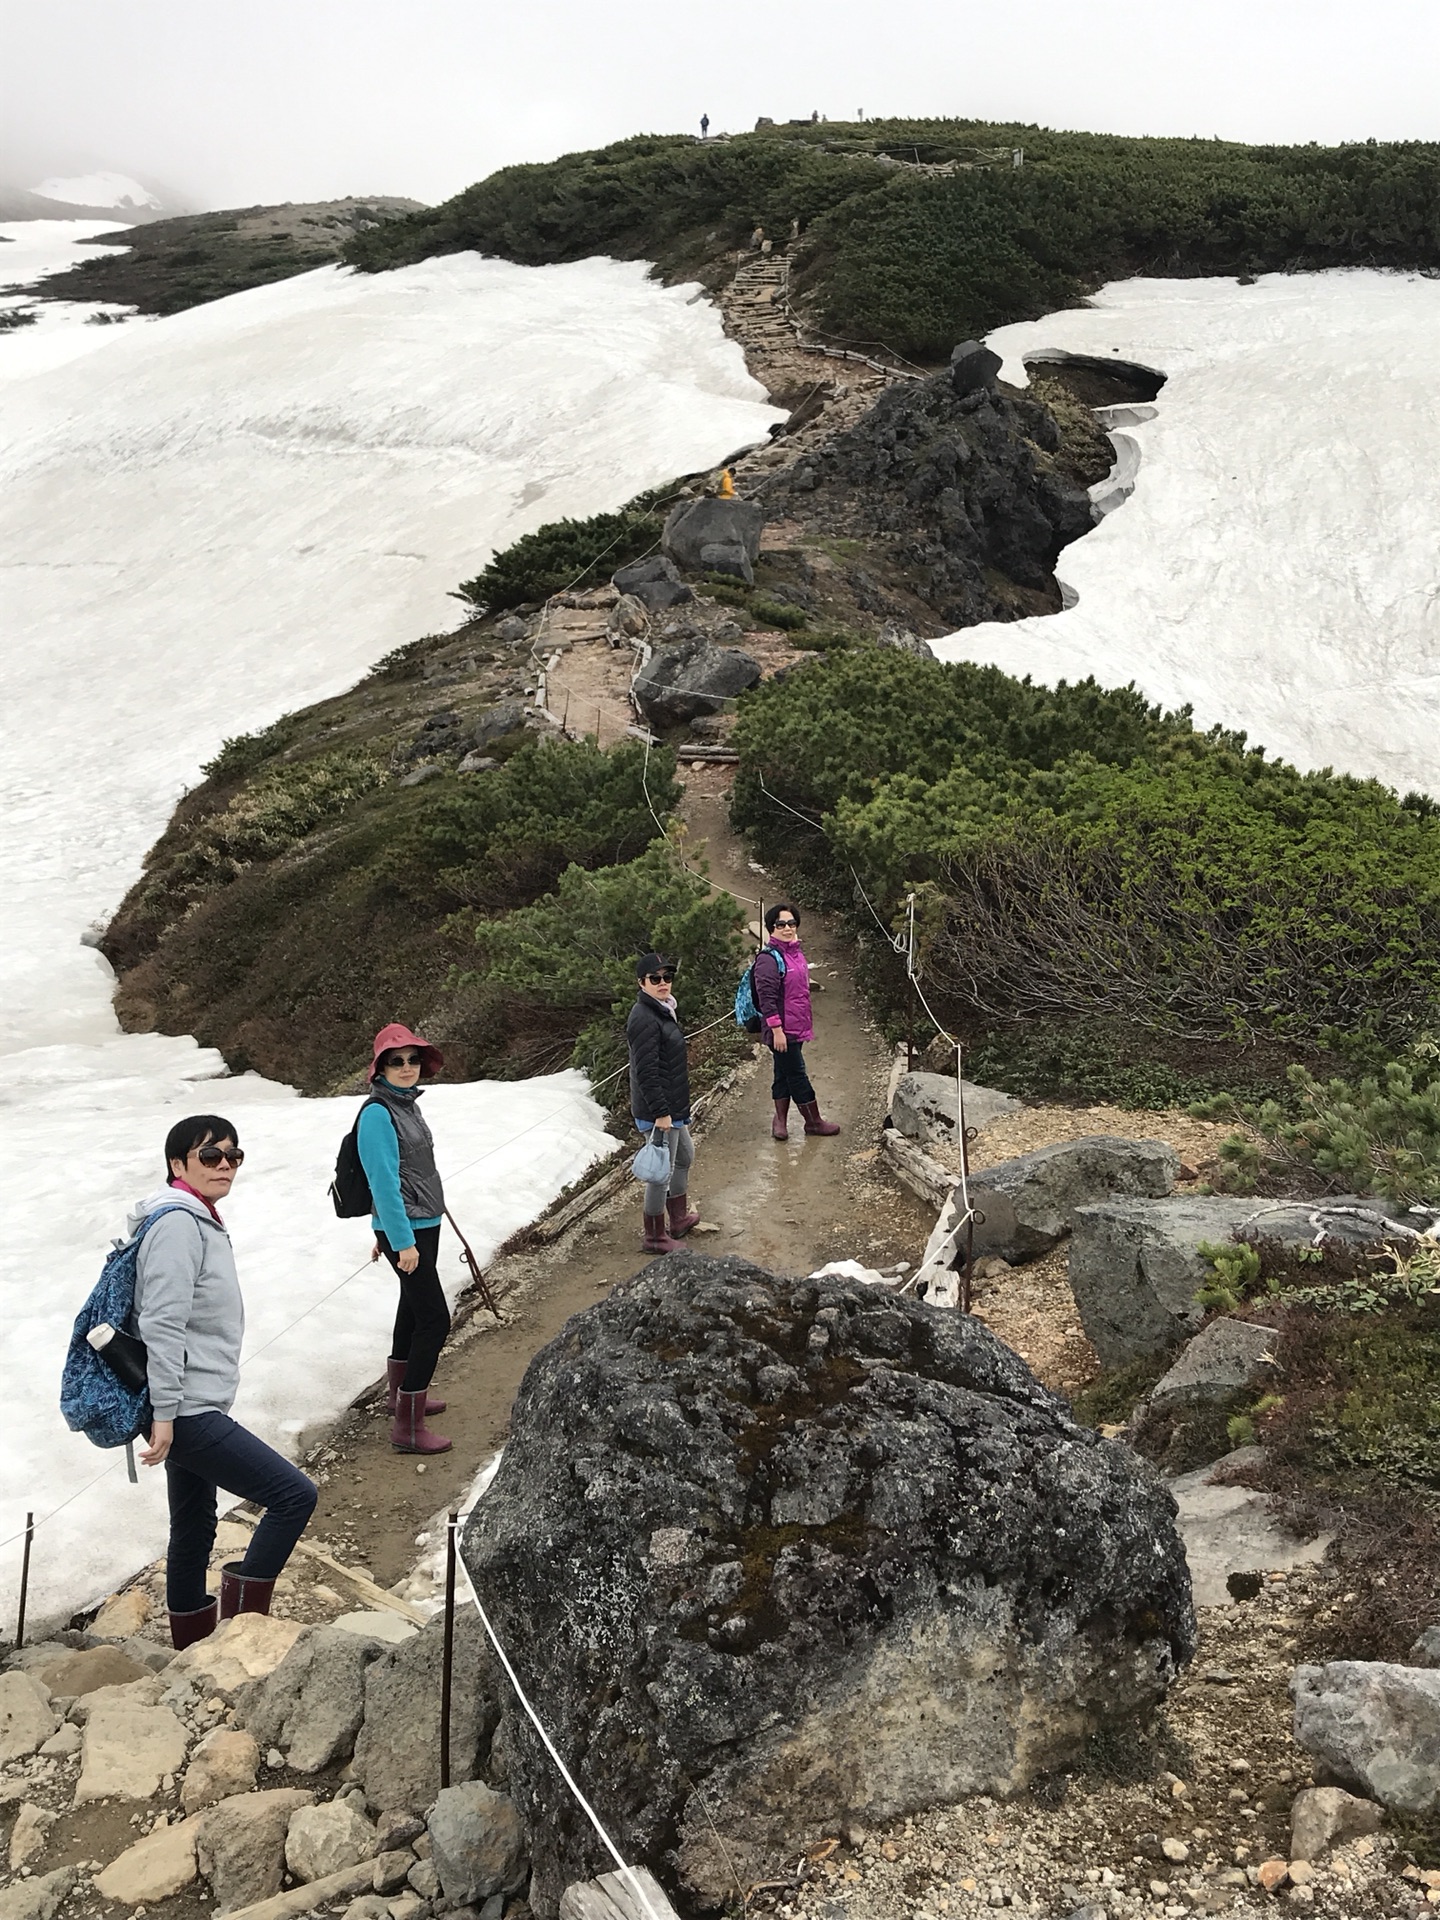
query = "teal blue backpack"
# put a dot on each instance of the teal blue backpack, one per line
(747, 1008)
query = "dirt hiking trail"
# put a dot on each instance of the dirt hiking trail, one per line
(789, 1207)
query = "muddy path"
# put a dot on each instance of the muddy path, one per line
(789, 1207)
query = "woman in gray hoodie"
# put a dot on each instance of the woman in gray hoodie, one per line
(189, 1313)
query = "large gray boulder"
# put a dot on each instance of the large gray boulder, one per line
(312, 1705)
(1374, 1728)
(654, 582)
(779, 1553)
(1030, 1202)
(1135, 1269)
(699, 530)
(397, 1753)
(695, 677)
(477, 1844)
(27, 1719)
(1228, 1357)
(926, 1107)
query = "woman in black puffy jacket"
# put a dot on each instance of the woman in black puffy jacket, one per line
(660, 1097)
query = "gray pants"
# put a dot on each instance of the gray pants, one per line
(682, 1153)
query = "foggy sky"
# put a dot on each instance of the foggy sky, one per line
(230, 104)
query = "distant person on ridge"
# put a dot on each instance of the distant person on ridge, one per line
(704, 126)
(782, 993)
(660, 1097)
(189, 1313)
(397, 1152)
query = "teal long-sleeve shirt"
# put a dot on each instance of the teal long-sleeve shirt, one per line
(380, 1156)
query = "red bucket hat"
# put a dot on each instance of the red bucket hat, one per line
(394, 1036)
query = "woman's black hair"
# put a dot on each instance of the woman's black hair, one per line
(196, 1130)
(772, 914)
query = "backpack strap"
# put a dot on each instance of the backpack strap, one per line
(159, 1214)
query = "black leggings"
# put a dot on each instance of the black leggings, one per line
(422, 1319)
(790, 1080)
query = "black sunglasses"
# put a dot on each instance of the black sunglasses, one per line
(403, 1060)
(787, 923)
(655, 979)
(212, 1156)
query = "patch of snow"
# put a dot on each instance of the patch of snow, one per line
(231, 512)
(1276, 565)
(97, 190)
(62, 330)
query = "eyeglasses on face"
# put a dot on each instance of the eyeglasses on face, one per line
(404, 1060)
(212, 1156)
(656, 979)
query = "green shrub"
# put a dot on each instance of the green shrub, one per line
(504, 839)
(242, 753)
(917, 262)
(1381, 1135)
(1234, 1269)
(574, 951)
(566, 553)
(774, 613)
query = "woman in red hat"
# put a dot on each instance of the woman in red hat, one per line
(408, 1204)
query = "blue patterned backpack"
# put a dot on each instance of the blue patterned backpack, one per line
(94, 1398)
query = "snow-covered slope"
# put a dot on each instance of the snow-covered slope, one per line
(98, 190)
(31, 250)
(223, 515)
(1278, 563)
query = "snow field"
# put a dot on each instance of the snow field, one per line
(1276, 565)
(32, 250)
(224, 515)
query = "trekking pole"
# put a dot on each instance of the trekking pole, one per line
(24, 1581)
(448, 1658)
(468, 1256)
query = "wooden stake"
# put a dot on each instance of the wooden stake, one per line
(24, 1581)
(448, 1661)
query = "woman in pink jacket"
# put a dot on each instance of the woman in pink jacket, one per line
(782, 993)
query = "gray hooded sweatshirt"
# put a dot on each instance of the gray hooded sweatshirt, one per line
(188, 1309)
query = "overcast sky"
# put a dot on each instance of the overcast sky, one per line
(234, 103)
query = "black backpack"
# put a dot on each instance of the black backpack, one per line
(350, 1190)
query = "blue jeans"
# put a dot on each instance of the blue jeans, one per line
(211, 1450)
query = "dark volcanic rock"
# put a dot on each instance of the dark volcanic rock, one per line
(815, 1551)
(695, 677)
(972, 365)
(655, 583)
(967, 485)
(701, 524)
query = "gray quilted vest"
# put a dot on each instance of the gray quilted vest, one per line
(420, 1186)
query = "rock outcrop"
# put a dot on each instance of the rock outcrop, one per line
(1374, 1728)
(397, 1753)
(1030, 1203)
(1135, 1269)
(696, 677)
(811, 1553)
(715, 536)
(926, 1107)
(1228, 1357)
(312, 1705)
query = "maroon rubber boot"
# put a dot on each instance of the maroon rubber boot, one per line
(242, 1592)
(813, 1122)
(656, 1239)
(395, 1379)
(681, 1217)
(408, 1431)
(187, 1628)
(779, 1130)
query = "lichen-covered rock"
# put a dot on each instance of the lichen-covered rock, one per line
(1030, 1202)
(479, 1844)
(693, 677)
(926, 1107)
(814, 1551)
(1136, 1267)
(1228, 1356)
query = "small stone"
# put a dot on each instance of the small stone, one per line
(368, 1906)
(155, 1868)
(122, 1615)
(1323, 1816)
(423, 1879)
(28, 1835)
(62, 1743)
(1220, 1676)
(1271, 1874)
(275, 1759)
(323, 1839)
(37, 1899)
(225, 1762)
(392, 1868)
(1175, 1851)
(1161, 1887)
(27, 1718)
(478, 1844)
(1301, 1873)
(1239, 1766)
(240, 1844)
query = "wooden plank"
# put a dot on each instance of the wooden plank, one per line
(314, 1893)
(925, 1177)
(612, 1897)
